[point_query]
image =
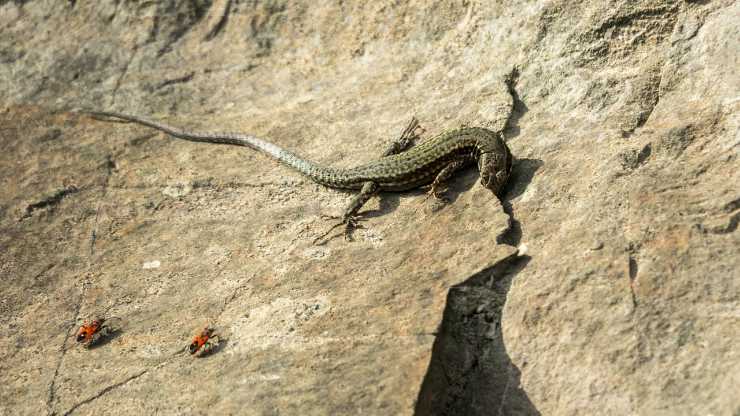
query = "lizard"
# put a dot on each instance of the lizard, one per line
(402, 166)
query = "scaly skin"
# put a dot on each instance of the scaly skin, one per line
(431, 162)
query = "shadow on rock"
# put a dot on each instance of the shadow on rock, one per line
(461, 183)
(470, 372)
(521, 176)
(105, 340)
(222, 343)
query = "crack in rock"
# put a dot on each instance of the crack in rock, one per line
(50, 201)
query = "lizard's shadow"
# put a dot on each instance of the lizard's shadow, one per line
(389, 201)
(522, 174)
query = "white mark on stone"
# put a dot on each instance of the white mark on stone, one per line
(522, 249)
(177, 190)
(316, 253)
(260, 377)
(154, 264)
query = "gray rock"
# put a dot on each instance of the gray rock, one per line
(604, 282)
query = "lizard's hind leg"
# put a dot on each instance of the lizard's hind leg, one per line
(407, 139)
(349, 217)
(350, 213)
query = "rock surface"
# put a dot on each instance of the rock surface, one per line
(605, 282)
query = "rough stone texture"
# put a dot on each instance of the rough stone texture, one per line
(623, 297)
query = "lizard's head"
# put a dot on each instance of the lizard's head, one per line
(495, 168)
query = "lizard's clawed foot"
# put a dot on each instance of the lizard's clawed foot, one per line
(411, 134)
(350, 223)
(437, 194)
(408, 138)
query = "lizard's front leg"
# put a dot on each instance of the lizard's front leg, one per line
(442, 177)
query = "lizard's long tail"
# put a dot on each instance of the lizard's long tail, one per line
(313, 170)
